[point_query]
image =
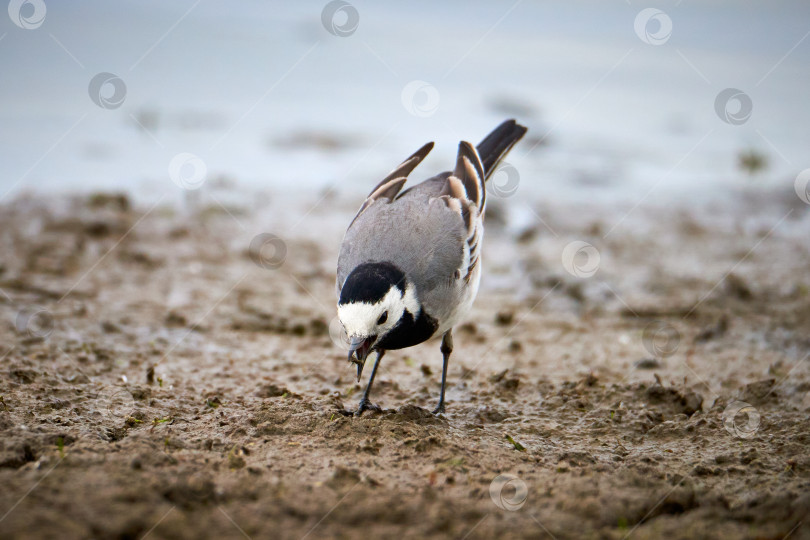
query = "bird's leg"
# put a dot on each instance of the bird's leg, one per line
(365, 404)
(446, 348)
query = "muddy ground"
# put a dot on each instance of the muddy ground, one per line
(161, 379)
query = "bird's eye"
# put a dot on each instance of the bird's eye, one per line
(383, 318)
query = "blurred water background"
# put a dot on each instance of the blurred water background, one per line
(271, 101)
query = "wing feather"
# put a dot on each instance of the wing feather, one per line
(465, 192)
(391, 185)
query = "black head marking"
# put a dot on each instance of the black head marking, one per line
(409, 331)
(370, 282)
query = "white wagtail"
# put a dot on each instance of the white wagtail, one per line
(409, 265)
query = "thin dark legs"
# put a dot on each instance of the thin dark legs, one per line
(365, 404)
(446, 348)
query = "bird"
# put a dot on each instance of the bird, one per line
(410, 262)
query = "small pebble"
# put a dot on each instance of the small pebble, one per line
(647, 363)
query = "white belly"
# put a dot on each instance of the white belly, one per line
(466, 296)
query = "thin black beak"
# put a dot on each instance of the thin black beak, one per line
(360, 349)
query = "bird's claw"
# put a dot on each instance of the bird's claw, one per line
(439, 409)
(366, 405)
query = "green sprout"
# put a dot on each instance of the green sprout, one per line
(519, 447)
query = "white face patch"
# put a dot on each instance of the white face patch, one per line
(360, 318)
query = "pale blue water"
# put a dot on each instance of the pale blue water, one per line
(242, 85)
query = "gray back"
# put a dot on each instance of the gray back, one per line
(424, 239)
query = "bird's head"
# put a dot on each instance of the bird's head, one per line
(373, 300)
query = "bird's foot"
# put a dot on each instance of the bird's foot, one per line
(439, 408)
(366, 405)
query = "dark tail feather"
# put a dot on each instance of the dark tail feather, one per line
(498, 143)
